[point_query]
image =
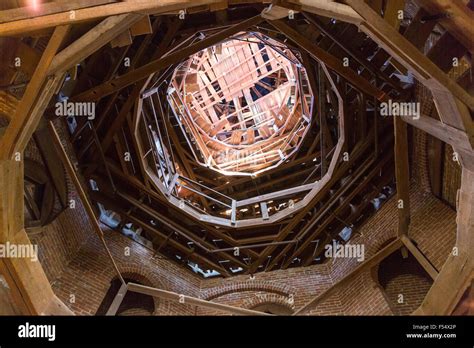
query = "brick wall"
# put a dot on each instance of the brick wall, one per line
(81, 273)
(90, 273)
(433, 229)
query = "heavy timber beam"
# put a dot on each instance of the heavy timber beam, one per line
(409, 56)
(30, 286)
(184, 299)
(90, 42)
(459, 23)
(456, 138)
(402, 175)
(32, 22)
(326, 8)
(145, 71)
(26, 117)
(374, 260)
(45, 9)
(424, 262)
(357, 152)
(81, 190)
(458, 270)
(332, 62)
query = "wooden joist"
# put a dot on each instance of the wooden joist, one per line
(402, 50)
(145, 71)
(332, 62)
(38, 93)
(424, 262)
(49, 8)
(185, 299)
(456, 138)
(32, 23)
(459, 23)
(90, 42)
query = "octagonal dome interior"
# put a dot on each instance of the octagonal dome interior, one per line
(244, 104)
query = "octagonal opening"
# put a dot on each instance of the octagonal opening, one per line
(244, 104)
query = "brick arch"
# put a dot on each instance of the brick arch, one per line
(398, 275)
(147, 278)
(251, 285)
(269, 298)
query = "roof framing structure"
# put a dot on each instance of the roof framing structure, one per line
(289, 242)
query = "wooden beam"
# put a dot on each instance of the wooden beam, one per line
(118, 299)
(402, 175)
(44, 9)
(458, 270)
(424, 262)
(459, 23)
(91, 41)
(188, 300)
(146, 70)
(81, 190)
(453, 112)
(142, 27)
(332, 62)
(31, 22)
(458, 139)
(122, 40)
(325, 8)
(34, 100)
(406, 53)
(374, 260)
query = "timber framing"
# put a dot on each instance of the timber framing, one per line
(161, 111)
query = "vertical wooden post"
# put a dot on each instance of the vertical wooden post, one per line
(402, 175)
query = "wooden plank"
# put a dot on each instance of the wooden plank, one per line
(91, 41)
(122, 40)
(118, 299)
(326, 8)
(142, 27)
(32, 23)
(189, 300)
(374, 260)
(81, 190)
(156, 65)
(453, 112)
(24, 123)
(418, 30)
(402, 175)
(450, 135)
(48, 8)
(424, 262)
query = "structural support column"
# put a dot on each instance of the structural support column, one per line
(458, 270)
(25, 276)
(402, 175)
